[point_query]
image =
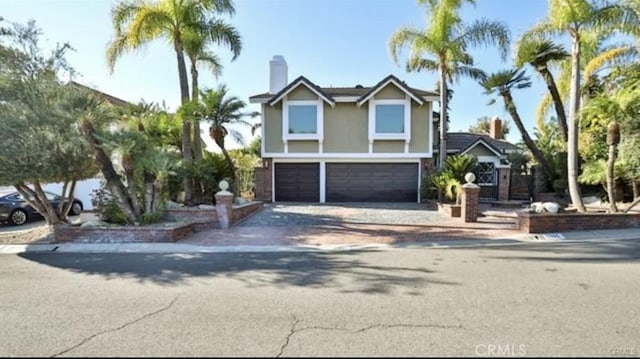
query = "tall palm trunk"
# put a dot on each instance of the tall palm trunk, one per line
(197, 140)
(537, 154)
(557, 100)
(186, 126)
(572, 139)
(443, 118)
(127, 164)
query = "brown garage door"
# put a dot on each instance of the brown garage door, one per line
(372, 182)
(297, 182)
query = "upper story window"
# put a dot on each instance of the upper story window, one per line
(390, 119)
(303, 119)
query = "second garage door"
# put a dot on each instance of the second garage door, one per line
(372, 182)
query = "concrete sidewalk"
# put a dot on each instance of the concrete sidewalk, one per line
(575, 236)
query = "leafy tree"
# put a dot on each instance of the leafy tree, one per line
(483, 127)
(501, 83)
(39, 143)
(576, 18)
(446, 39)
(616, 107)
(244, 164)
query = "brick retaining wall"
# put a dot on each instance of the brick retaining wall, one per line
(187, 221)
(170, 232)
(564, 222)
(243, 210)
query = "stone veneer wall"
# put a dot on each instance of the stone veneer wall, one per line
(565, 222)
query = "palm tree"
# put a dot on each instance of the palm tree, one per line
(195, 45)
(223, 111)
(501, 83)
(138, 22)
(538, 54)
(575, 18)
(446, 39)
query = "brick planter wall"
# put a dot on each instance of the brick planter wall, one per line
(191, 215)
(241, 211)
(188, 221)
(564, 222)
(125, 234)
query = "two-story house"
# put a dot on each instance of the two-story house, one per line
(343, 144)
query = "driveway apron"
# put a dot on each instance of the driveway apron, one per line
(348, 223)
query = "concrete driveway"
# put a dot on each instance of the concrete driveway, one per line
(352, 223)
(305, 214)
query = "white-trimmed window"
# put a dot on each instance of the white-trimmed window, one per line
(390, 119)
(302, 120)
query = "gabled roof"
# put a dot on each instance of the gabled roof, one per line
(459, 142)
(111, 99)
(486, 145)
(387, 80)
(302, 81)
(334, 93)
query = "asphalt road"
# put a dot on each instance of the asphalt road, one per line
(530, 299)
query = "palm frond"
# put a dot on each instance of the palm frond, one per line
(402, 38)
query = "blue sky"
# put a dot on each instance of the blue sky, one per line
(331, 42)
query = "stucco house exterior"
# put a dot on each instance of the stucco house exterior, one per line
(343, 144)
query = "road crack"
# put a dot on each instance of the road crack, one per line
(382, 326)
(87, 339)
(291, 333)
(294, 331)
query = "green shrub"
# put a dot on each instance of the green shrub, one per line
(106, 208)
(155, 217)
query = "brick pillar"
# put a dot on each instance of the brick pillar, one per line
(470, 202)
(263, 181)
(224, 208)
(504, 182)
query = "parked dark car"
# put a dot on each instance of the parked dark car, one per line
(15, 210)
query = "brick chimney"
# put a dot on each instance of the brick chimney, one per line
(495, 130)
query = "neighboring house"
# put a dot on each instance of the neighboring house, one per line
(343, 144)
(85, 188)
(491, 151)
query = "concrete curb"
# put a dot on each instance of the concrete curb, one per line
(569, 237)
